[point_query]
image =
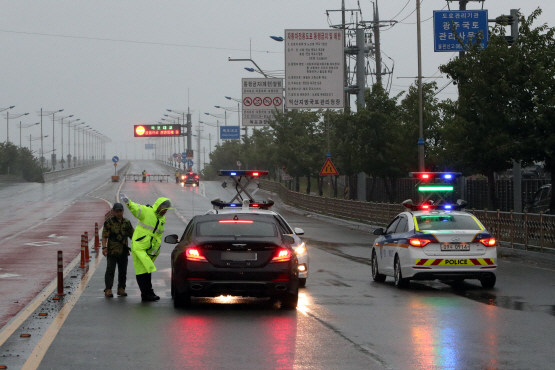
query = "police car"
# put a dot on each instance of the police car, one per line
(190, 178)
(262, 209)
(429, 242)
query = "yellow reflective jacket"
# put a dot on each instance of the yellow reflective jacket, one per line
(145, 245)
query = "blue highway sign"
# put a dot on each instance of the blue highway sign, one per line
(115, 159)
(468, 23)
(190, 163)
(230, 132)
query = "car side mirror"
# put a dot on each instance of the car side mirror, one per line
(171, 239)
(378, 231)
(288, 239)
(299, 231)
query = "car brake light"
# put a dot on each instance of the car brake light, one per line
(196, 177)
(235, 222)
(420, 243)
(282, 255)
(488, 242)
(193, 254)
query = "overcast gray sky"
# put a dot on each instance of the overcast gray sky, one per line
(113, 85)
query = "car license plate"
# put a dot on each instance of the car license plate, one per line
(238, 256)
(455, 247)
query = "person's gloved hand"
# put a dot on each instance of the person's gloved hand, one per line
(124, 198)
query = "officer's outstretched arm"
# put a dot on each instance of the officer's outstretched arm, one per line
(137, 210)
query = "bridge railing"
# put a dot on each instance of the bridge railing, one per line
(139, 177)
(527, 230)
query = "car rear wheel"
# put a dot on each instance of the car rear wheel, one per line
(488, 282)
(400, 282)
(290, 300)
(302, 282)
(380, 278)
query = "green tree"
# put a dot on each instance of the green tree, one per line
(19, 162)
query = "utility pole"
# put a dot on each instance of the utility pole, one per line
(346, 68)
(377, 43)
(420, 97)
(198, 146)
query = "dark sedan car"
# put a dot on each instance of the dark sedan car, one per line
(190, 178)
(234, 254)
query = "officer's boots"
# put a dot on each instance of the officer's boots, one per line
(121, 292)
(108, 293)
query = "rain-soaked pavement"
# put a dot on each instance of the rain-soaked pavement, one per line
(344, 319)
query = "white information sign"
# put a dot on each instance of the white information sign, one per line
(261, 96)
(314, 69)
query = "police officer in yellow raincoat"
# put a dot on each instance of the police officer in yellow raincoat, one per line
(145, 245)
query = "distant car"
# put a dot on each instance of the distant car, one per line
(435, 244)
(540, 201)
(237, 254)
(190, 178)
(298, 246)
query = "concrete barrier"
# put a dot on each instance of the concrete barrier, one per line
(56, 175)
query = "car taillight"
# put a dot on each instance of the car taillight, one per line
(282, 255)
(488, 242)
(420, 243)
(193, 254)
(196, 177)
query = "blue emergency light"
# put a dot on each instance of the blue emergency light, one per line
(429, 206)
(253, 173)
(426, 176)
(265, 204)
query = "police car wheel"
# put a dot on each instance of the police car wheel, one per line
(400, 282)
(302, 282)
(289, 301)
(376, 276)
(488, 282)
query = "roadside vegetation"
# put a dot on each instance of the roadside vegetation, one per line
(19, 162)
(504, 112)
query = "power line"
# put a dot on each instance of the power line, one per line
(135, 42)
(395, 16)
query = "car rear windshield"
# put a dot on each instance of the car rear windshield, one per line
(242, 228)
(446, 222)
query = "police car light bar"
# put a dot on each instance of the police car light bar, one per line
(219, 204)
(438, 187)
(428, 206)
(253, 173)
(425, 176)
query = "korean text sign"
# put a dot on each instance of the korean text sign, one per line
(468, 23)
(314, 69)
(230, 132)
(261, 97)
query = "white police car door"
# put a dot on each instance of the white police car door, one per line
(387, 251)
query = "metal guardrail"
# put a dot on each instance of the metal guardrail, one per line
(533, 231)
(139, 177)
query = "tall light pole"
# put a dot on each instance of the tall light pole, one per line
(25, 126)
(61, 119)
(69, 156)
(217, 126)
(53, 139)
(7, 115)
(43, 113)
(188, 125)
(31, 139)
(4, 109)
(420, 98)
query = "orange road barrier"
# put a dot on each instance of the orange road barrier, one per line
(60, 292)
(96, 239)
(82, 265)
(87, 255)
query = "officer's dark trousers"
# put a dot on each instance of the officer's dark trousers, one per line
(145, 284)
(176, 180)
(121, 263)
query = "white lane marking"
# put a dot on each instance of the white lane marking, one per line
(4, 276)
(55, 236)
(42, 243)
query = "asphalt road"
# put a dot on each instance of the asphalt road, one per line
(344, 319)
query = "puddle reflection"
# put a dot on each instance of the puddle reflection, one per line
(438, 337)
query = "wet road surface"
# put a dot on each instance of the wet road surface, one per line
(344, 319)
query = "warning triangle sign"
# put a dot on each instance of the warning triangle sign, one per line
(328, 169)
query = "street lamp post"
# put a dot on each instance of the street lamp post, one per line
(31, 139)
(4, 109)
(43, 113)
(25, 126)
(17, 115)
(61, 119)
(69, 156)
